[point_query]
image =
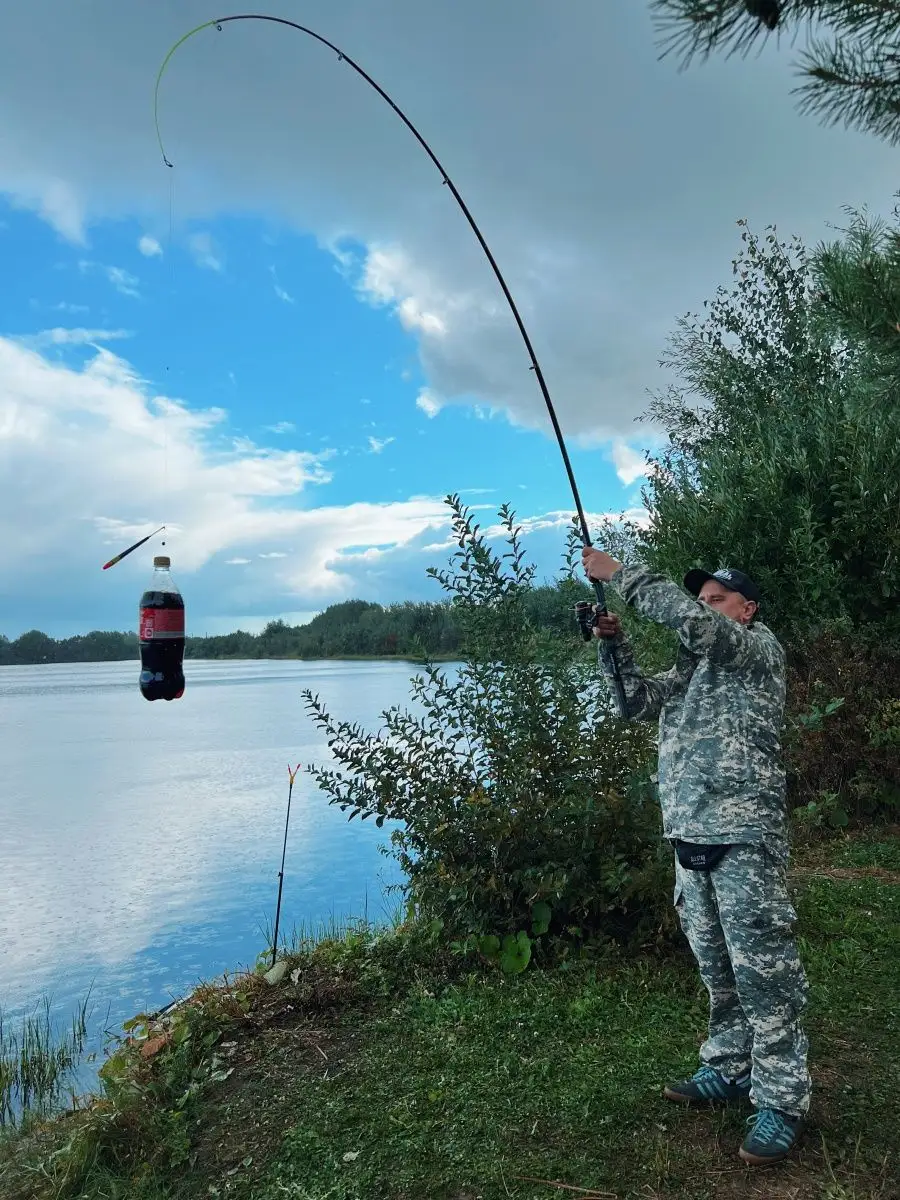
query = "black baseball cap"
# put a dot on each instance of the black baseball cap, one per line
(730, 577)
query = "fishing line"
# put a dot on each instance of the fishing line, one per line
(165, 415)
(166, 412)
(218, 23)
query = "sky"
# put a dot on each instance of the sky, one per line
(289, 347)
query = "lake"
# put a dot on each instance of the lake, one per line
(140, 843)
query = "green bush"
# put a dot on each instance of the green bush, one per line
(843, 729)
(525, 804)
(783, 453)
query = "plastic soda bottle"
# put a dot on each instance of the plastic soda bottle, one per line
(161, 634)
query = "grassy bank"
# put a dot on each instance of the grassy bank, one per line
(383, 1066)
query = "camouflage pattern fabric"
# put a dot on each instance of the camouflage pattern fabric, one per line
(720, 711)
(738, 919)
(721, 781)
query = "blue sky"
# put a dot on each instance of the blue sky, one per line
(290, 348)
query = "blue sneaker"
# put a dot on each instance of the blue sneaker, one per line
(709, 1086)
(772, 1136)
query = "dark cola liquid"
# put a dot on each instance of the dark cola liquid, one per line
(161, 634)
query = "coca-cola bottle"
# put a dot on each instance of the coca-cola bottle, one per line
(161, 634)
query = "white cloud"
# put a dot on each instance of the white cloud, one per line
(634, 516)
(149, 246)
(63, 306)
(227, 623)
(204, 252)
(91, 460)
(236, 562)
(376, 445)
(282, 427)
(561, 520)
(551, 520)
(123, 281)
(279, 290)
(75, 337)
(58, 202)
(629, 463)
(389, 278)
(428, 402)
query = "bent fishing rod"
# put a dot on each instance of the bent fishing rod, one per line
(219, 23)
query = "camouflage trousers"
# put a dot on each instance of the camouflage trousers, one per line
(739, 921)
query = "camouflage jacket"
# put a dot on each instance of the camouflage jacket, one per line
(720, 711)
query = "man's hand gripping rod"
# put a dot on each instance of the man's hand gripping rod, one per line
(586, 616)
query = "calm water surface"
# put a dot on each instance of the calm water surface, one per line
(140, 843)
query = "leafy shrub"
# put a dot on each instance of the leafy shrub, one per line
(518, 790)
(783, 451)
(843, 739)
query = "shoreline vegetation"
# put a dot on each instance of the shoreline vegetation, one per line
(353, 629)
(399, 656)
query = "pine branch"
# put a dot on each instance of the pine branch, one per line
(859, 282)
(854, 79)
(699, 27)
(854, 86)
(692, 28)
(873, 20)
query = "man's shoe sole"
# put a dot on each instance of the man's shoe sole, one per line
(756, 1160)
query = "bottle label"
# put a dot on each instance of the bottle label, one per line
(161, 623)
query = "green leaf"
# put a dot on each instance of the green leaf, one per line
(489, 946)
(540, 918)
(141, 1021)
(516, 954)
(115, 1068)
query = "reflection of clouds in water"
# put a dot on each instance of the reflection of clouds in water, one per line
(133, 833)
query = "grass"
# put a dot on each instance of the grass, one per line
(37, 1061)
(870, 852)
(390, 1070)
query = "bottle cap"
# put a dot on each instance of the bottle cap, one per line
(162, 560)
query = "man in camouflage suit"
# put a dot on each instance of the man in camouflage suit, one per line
(722, 792)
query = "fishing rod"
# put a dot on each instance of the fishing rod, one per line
(218, 23)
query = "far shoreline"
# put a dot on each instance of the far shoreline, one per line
(88, 662)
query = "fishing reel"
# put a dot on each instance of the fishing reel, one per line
(586, 618)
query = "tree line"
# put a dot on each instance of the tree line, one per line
(351, 628)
